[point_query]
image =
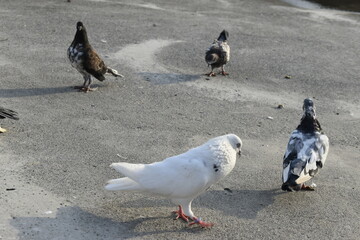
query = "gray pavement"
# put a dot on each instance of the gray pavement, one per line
(57, 156)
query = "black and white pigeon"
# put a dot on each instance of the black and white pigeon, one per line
(183, 177)
(306, 152)
(7, 113)
(218, 54)
(85, 59)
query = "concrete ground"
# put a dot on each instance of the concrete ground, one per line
(55, 159)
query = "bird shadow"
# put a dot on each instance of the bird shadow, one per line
(168, 78)
(69, 223)
(27, 92)
(243, 204)
(76, 223)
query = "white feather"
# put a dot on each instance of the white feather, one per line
(183, 177)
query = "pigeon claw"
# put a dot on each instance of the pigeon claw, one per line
(88, 89)
(201, 223)
(85, 89)
(307, 188)
(211, 74)
(224, 73)
(180, 214)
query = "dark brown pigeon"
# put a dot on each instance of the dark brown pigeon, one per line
(218, 54)
(85, 59)
(7, 113)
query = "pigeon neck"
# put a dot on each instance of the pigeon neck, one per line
(309, 125)
(81, 37)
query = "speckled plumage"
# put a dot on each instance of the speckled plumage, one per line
(218, 54)
(85, 59)
(306, 152)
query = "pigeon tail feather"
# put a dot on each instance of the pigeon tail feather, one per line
(123, 184)
(114, 72)
(132, 171)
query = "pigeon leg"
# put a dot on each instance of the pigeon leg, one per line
(180, 214)
(201, 223)
(223, 71)
(211, 74)
(82, 86)
(87, 88)
(307, 188)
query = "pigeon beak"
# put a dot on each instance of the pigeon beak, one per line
(239, 153)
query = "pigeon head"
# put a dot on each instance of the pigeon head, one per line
(81, 35)
(235, 142)
(309, 123)
(224, 35)
(79, 26)
(309, 108)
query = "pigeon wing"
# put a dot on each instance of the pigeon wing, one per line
(175, 177)
(323, 149)
(226, 49)
(294, 146)
(314, 151)
(94, 65)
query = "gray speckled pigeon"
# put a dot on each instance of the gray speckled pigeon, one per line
(218, 54)
(306, 152)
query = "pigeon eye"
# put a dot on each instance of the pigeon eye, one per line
(238, 145)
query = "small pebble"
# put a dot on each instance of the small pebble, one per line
(269, 117)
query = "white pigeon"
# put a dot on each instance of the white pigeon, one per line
(306, 152)
(183, 177)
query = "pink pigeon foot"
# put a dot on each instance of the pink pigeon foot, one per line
(224, 73)
(201, 223)
(180, 214)
(211, 74)
(307, 188)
